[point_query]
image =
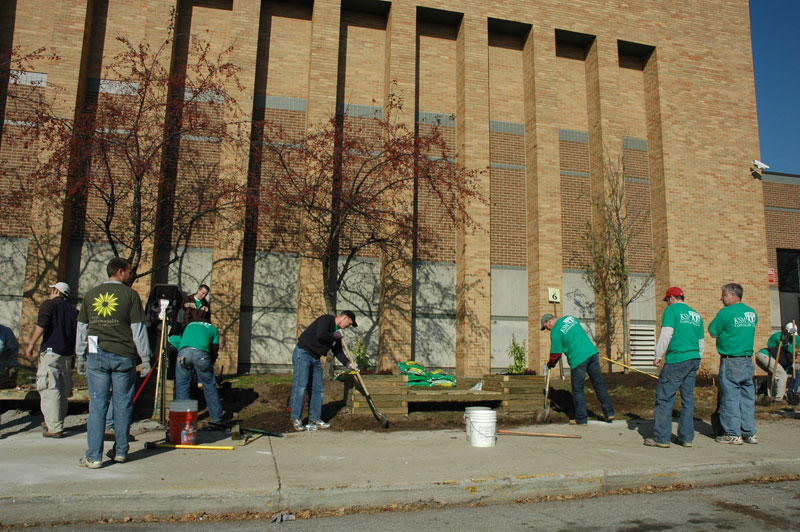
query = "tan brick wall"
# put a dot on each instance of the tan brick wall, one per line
(693, 101)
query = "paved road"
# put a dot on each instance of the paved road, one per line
(766, 506)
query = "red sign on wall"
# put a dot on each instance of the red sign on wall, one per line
(771, 275)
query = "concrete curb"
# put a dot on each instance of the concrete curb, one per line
(80, 507)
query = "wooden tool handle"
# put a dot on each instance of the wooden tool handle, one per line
(540, 434)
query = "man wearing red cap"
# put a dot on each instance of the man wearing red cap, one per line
(679, 349)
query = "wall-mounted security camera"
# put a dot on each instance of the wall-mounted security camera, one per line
(758, 164)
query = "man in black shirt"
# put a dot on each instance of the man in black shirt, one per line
(324, 334)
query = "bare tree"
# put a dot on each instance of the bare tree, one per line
(610, 241)
(140, 162)
(346, 189)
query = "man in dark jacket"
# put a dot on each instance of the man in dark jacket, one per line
(324, 334)
(56, 324)
(195, 307)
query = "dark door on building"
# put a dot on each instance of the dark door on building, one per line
(789, 284)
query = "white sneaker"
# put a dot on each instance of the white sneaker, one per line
(311, 427)
(320, 424)
(297, 425)
(730, 439)
(751, 439)
(91, 464)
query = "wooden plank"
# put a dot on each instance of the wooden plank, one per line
(449, 397)
(521, 408)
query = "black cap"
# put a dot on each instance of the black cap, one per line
(350, 314)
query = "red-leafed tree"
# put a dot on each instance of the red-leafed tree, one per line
(349, 188)
(140, 160)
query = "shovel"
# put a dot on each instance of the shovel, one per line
(544, 413)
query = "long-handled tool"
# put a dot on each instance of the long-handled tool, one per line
(544, 413)
(161, 445)
(770, 396)
(629, 367)
(380, 417)
(561, 367)
(159, 398)
(540, 434)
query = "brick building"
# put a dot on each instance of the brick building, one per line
(537, 94)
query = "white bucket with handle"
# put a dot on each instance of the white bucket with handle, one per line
(467, 412)
(482, 428)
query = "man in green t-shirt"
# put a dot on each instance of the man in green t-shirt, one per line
(780, 346)
(734, 327)
(679, 348)
(111, 327)
(568, 337)
(197, 351)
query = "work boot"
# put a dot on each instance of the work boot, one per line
(47, 434)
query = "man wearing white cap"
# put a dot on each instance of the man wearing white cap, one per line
(57, 322)
(780, 347)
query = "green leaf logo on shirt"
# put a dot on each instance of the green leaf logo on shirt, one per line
(105, 304)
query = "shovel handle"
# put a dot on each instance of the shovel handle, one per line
(629, 367)
(540, 434)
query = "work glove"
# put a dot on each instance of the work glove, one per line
(338, 334)
(353, 366)
(145, 368)
(80, 365)
(551, 364)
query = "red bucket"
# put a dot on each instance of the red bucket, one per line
(183, 422)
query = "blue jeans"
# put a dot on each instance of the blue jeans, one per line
(198, 361)
(737, 413)
(106, 370)
(578, 376)
(306, 365)
(674, 377)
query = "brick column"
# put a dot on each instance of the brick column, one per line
(543, 187)
(321, 106)
(473, 284)
(68, 38)
(396, 282)
(605, 145)
(227, 264)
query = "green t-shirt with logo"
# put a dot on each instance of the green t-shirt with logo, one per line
(734, 328)
(775, 340)
(568, 337)
(687, 331)
(200, 335)
(110, 309)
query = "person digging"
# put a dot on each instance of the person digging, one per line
(567, 337)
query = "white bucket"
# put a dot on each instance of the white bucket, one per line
(467, 413)
(482, 424)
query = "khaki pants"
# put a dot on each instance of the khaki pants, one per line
(54, 383)
(767, 363)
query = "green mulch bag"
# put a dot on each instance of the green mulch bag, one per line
(439, 378)
(411, 368)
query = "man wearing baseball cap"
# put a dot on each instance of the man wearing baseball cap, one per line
(679, 349)
(324, 334)
(567, 337)
(57, 322)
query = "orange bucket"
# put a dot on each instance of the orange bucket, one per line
(183, 422)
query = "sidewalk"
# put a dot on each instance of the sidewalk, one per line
(327, 469)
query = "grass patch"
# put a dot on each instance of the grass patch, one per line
(251, 379)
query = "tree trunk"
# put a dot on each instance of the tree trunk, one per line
(329, 285)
